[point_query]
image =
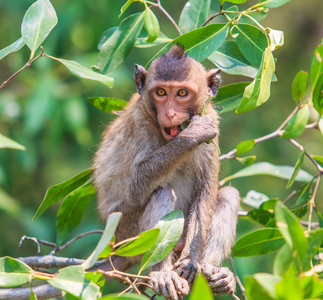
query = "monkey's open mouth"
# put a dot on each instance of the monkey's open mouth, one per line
(173, 131)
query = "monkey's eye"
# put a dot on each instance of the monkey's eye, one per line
(182, 93)
(161, 92)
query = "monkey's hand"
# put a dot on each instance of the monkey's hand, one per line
(169, 285)
(201, 129)
(221, 280)
(187, 269)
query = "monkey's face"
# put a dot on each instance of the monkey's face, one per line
(173, 102)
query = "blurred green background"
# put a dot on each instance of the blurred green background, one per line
(45, 108)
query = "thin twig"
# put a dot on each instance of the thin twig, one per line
(211, 18)
(28, 64)
(162, 9)
(242, 288)
(37, 241)
(312, 201)
(289, 196)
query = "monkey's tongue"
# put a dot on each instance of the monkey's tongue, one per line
(173, 130)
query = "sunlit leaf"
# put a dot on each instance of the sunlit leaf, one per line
(318, 158)
(141, 40)
(258, 242)
(57, 192)
(194, 14)
(6, 142)
(254, 199)
(124, 297)
(138, 246)
(15, 46)
(318, 95)
(13, 272)
(297, 123)
(171, 228)
(291, 230)
(251, 41)
(230, 60)
(244, 146)
(118, 46)
(247, 160)
(199, 43)
(38, 22)
(201, 289)
(266, 168)
(300, 84)
(83, 72)
(261, 286)
(107, 104)
(290, 280)
(229, 96)
(317, 65)
(72, 209)
(105, 239)
(315, 240)
(273, 3)
(69, 279)
(96, 277)
(151, 25)
(258, 92)
(297, 168)
(276, 38)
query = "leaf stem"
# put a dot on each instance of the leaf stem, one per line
(213, 16)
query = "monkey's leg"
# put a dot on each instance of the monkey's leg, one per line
(220, 240)
(164, 281)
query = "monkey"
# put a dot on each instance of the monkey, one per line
(148, 165)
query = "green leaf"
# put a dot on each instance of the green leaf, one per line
(276, 38)
(107, 104)
(264, 213)
(258, 92)
(201, 289)
(297, 123)
(57, 192)
(229, 59)
(229, 96)
(106, 35)
(193, 15)
(199, 43)
(251, 41)
(141, 40)
(118, 46)
(257, 15)
(138, 246)
(261, 286)
(83, 72)
(297, 168)
(125, 6)
(96, 277)
(318, 95)
(9, 205)
(151, 25)
(266, 168)
(71, 211)
(69, 279)
(318, 158)
(38, 22)
(317, 65)
(291, 230)
(247, 160)
(245, 146)
(258, 242)
(108, 249)
(171, 229)
(105, 239)
(5, 142)
(315, 241)
(294, 290)
(15, 46)
(283, 260)
(13, 272)
(273, 3)
(237, 1)
(300, 84)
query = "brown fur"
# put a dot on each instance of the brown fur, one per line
(145, 176)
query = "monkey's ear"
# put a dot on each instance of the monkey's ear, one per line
(140, 77)
(213, 80)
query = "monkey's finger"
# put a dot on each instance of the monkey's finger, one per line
(180, 285)
(154, 283)
(218, 276)
(171, 288)
(191, 277)
(162, 287)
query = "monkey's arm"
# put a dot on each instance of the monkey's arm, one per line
(157, 167)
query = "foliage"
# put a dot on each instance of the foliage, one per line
(239, 45)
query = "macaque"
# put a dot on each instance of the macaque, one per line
(149, 165)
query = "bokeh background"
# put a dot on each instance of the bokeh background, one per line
(45, 108)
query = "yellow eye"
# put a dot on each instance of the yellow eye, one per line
(161, 92)
(182, 93)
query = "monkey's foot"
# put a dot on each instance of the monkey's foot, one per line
(221, 280)
(169, 285)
